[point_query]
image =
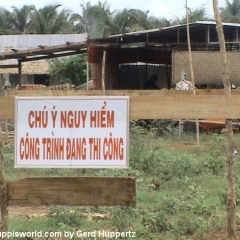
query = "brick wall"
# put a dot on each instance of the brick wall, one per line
(206, 67)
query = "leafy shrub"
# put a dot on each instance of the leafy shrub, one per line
(202, 208)
(157, 222)
(171, 205)
(163, 127)
(64, 218)
(188, 224)
(214, 165)
(122, 217)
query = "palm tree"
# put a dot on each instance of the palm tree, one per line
(82, 22)
(48, 20)
(21, 18)
(95, 20)
(231, 13)
(99, 21)
(198, 14)
(143, 21)
(122, 22)
(6, 22)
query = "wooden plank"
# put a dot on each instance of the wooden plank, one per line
(54, 55)
(9, 66)
(42, 51)
(149, 105)
(184, 107)
(72, 191)
(163, 92)
(15, 92)
(6, 108)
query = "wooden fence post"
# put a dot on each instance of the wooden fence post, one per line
(231, 197)
(191, 69)
(3, 190)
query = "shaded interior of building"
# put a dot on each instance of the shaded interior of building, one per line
(29, 79)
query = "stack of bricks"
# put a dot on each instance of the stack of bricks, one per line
(66, 86)
(32, 87)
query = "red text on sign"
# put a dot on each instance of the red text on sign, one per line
(95, 148)
(53, 148)
(73, 119)
(113, 148)
(38, 119)
(76, 149)
(29, 148)
(102, 119)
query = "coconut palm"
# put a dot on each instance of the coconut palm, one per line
(198, 14)
(6, 22)
(82, 22)
(99, 21)
(48, 20)
(21, 18)
(122, 22)
(231, 13)
(143, 21)
(94, 19)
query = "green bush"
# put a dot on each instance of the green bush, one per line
(64, 218)
(122, 217)
(156, 222)
(215, 164)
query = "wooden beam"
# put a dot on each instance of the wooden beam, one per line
(39, 51)
(9, 66)
(181, 105)
(72, 191)
(19, 75)
(163, 92)
(53, 55)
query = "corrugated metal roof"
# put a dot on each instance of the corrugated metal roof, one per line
(174, 27)
(34, 40)
(214, 23)
(202, 23)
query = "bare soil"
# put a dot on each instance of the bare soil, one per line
(27, 212)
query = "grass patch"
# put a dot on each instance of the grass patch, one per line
(181, 192)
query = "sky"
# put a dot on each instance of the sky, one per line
(168, 9)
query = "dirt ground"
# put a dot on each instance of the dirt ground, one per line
(185, 146)
(27, 212)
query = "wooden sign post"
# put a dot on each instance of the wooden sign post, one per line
(3, 189)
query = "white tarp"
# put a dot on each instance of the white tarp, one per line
(184, 85)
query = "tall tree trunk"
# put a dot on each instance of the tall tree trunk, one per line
(231, 198)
